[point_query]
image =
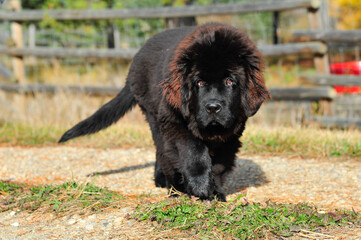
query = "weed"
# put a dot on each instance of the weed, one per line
(8, 187)
(239, 219)
(69, 196)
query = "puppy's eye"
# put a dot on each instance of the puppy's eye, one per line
(201, 83)
(229, 82)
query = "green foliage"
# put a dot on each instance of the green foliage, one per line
(65, 4)
(135, 30)
(239, 220)
(8, 187)
(347, 12)
(98, 4)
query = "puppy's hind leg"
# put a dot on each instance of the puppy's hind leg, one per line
(159, 177)
(165, 175)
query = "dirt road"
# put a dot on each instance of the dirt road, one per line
(326, 183)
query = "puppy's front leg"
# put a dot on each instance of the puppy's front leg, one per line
(197, 168)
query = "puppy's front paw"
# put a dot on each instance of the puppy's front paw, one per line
(220, 196)
(201, 186)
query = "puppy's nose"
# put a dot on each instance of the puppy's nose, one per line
(213, 107)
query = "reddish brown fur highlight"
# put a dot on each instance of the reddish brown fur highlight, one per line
(258, 94)
(172, 91)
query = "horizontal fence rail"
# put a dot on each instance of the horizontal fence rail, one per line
(129, 53)
(332, 80)
(52, 89)
(293, 49)
(328, 36)
(303, 93)
(338, 122)
(294, 94)
(6, 73)
(161, 12)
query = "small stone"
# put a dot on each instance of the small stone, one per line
(125, 210)
(118, 221)
(71, 221)
(92, 217)
(131, 223)
(89, 227)
(15, 224)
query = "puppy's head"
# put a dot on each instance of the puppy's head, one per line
(216, 76)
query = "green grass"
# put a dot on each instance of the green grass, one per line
(202, 219)
(305, 142)
(67, 197)
(237, 219)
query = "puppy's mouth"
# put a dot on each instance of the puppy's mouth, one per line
(213, 130)
(215, 122)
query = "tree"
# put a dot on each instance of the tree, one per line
(347, 13)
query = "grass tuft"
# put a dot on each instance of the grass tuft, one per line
(238, 219)
(67, 197)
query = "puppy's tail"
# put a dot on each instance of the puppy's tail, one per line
(103, 117)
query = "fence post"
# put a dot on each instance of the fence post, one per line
(276, 27)
(32, 43)
(32, 36)
(317, 21)
(17, 36)
(116, 38)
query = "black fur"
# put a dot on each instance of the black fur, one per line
(196, 86)
(104, 117)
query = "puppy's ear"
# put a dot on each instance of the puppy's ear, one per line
(172, 85)
(186, 94)
(256, 92)
(177, 93)
(172, 91)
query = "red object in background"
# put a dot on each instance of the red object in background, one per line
(346, 68)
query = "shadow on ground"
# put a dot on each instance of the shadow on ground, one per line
(246, 173)
(122, 170)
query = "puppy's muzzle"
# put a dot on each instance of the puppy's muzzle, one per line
(213, 107)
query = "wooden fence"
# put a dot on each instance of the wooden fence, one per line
(328, 80)
(312, 41)
(128, 54)
(162, 12)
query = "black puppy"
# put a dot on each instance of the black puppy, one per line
(196, 86)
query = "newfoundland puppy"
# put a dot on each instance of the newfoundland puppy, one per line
(196, 86)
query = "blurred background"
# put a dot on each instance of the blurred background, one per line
(60, 60)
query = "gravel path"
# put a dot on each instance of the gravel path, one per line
(328, 184)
